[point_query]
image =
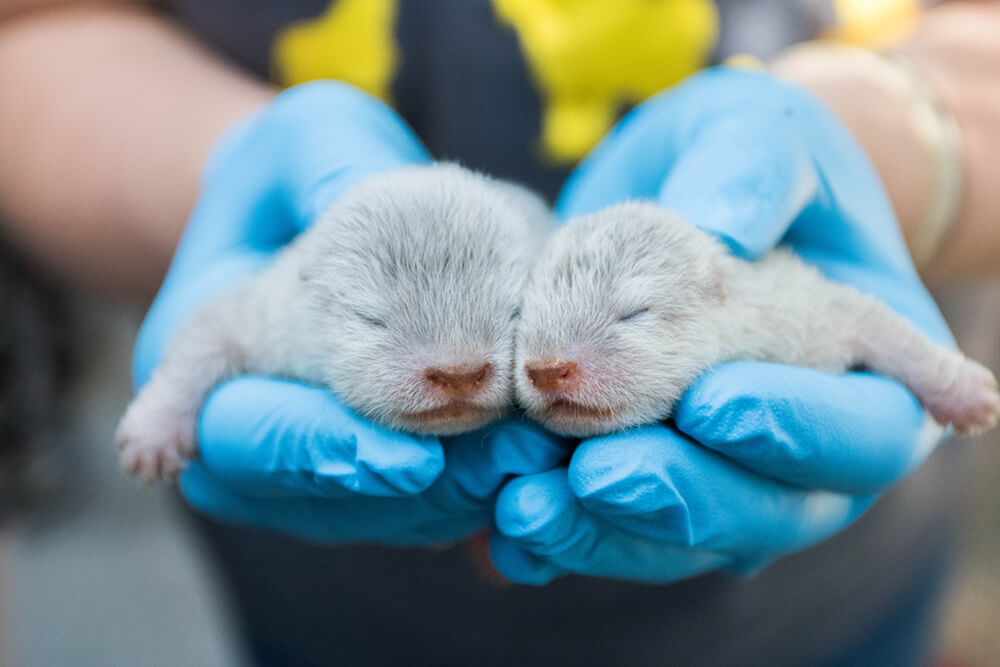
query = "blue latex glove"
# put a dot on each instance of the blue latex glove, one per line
(280, 454)
(292, 459)
(764, 459)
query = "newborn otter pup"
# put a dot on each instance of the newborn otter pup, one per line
(402, 299)
(626, 307)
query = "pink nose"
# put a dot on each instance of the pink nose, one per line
(459, 381)
(553, 374)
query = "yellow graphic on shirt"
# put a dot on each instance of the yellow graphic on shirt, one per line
(591, 57)
(353, 41)
(875, 23)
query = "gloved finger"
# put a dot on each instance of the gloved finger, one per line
(275, 437)
(850, 213)
(658, 484)
(631, 162)
(392, 521)
(743, 177)
(361, 136)
(856, 433)
(478, 463)
(544, 532)
(853, 216)
(266, 201)
(520, 566)
(635, 157)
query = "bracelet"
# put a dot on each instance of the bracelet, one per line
(936, 128)
(940, 132)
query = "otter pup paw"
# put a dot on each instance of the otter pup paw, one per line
(153, 442)
(971, 402)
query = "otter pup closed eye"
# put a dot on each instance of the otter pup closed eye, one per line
(626, 307)
(402, 299)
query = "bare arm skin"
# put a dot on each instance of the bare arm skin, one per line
(107, 115)
(957, 49)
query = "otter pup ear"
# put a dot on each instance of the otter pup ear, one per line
(711, 281)
(718, 291)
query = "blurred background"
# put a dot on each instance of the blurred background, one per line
(95, 570)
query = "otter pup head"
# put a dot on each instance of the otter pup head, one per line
(415, 284)
(617, 319)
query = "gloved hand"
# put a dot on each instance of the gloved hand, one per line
(281, 454)
(292, 459)
(763, 459)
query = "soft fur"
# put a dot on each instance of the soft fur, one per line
(416, 269)
(638, 303)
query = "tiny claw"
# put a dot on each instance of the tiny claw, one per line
(129, 461)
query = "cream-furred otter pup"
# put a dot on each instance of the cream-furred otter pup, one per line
(402, 299)
(627, 306)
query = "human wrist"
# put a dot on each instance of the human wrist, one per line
(903, 125)
(956, 47)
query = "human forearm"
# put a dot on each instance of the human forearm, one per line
(107, 115)
(955, 49)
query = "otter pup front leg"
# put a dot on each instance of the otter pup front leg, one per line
(239, 331)
(157, 433)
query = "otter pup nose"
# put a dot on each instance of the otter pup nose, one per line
(552, 374)
(460, 380)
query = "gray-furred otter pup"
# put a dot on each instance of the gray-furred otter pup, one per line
(627, 306)
(402, 299)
